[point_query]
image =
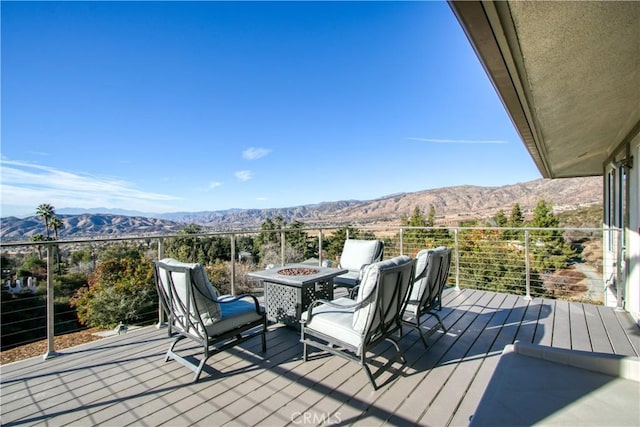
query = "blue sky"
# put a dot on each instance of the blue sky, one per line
(193, 106)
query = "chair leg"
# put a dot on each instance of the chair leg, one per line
(395, 344)
(198, 370)
(171, 347)
(264, 336)
(417, 328)
(363, 363)
(440, 322)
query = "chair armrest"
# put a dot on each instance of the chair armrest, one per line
(318, 302)
(353, 292)
(362, 267)
(225, 299)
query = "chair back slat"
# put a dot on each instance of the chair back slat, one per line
(428, 287)
(178, 295)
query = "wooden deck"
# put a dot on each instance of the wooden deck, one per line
(124, 380)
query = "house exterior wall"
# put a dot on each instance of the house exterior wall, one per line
(632, 303)
(622, 210)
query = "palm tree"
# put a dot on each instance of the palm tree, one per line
(38, 238)
(56, 223)
(45, 212)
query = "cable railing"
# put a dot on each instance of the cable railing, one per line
(575, 264)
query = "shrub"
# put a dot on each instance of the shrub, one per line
(121, 290)
(219, 274)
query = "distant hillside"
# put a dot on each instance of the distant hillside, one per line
(452, 204)
(87, 225)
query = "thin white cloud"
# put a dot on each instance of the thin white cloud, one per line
(27, 185)
(253, 153)
(262, 199)
(214, 184)
(458, 141)
(245, 175)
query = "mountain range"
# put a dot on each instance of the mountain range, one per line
(452, 204)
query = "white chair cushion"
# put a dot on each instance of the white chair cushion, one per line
(357, 253)
(335, 322)
(209, 310)
(422, 263)
(370, 278)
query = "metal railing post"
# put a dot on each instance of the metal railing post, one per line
(457, 257)
(401, 241)
(527, 265)
(282, 246)
(160, 248)
(233, 264)
(162, 318)
(51, 350)
(320, 248)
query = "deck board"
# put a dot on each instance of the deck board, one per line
(544, 328)
(620, 341)
(561, 336)
(579, 333)
(631, 330)
(597, 332)
(124, 380)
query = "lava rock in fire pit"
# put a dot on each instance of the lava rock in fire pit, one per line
(298, 271)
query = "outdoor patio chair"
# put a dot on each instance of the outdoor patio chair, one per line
(349, 328)
(431, 274)
(196, 312)
(356, 254)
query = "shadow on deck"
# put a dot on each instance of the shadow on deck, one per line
(124, 380)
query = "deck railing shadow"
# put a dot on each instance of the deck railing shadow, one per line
(479, 325)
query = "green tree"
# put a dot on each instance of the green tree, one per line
(431, 219)
(246, 244)
(500, 219)
(269, 231)
(416, 237)
(45, 212)
(300, 240)
(33, 266)
(56, 224)
(81, 256)
(38, 238)
(488, 262)
(215, 248)
(185, 248)
(268, 243)
(472, 222)
(550, 251)
(543, 216)
(516, 220)
(122, 289)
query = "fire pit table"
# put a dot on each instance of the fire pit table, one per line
(289, 289)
